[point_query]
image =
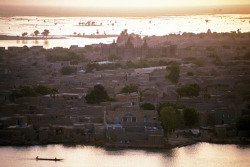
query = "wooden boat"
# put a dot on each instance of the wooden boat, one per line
(49, 159)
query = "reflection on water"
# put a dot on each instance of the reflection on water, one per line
(50, 43)
(161, 25)
(202, 154)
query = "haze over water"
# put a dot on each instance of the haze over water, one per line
(143, 26)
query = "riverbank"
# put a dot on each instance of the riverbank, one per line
(170, 142)
(8, 37)
(93, 36)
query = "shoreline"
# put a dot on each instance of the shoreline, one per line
(169, 145)
(9, 37)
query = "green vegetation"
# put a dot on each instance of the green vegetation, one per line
(174, 74)
(166, 104)
(168, 117)
(191, 116)
(148, 106)
(68, 70)
(168, 113)
(189, 90)
(243, 122)
(128, 64)
(98, 95)
(130, 88)
(26, 91)
(42, 90)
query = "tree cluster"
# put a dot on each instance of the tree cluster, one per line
(174, 72)
(27, 91)
(189, 90)
(191, 116)
(128, 64)
(170, 115)
(98, 95)
(130, 88)
(148, 106)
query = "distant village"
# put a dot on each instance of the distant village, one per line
(150, 92)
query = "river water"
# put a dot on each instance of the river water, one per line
(144, 26)
(201, 154)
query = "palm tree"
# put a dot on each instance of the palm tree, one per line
(36, 32)
(53, 93)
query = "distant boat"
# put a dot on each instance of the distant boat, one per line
(49, 159)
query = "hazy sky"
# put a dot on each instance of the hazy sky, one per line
(122, 3)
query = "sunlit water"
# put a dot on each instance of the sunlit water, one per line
(161, 25)
(202, 155)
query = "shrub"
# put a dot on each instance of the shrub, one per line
(148, 106)
(67, 70)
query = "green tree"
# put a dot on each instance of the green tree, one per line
(168, 116)
(191, 116)
(42, 90)
(189, 90)
(53, 93)
(130, 88)
(166, 104)
(148, 106)
(174, 72)
(97, 95)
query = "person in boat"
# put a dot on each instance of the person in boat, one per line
(55, 158)
(36, 157)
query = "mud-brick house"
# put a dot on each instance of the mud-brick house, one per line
(21, 134)
(133, 127)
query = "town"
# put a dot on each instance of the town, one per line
(146, 92)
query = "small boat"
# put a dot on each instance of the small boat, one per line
(49, 159)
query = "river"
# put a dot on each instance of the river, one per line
(143, 26)
(201, 154)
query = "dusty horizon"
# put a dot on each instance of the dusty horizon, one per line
(122, 3)
(120, 11)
